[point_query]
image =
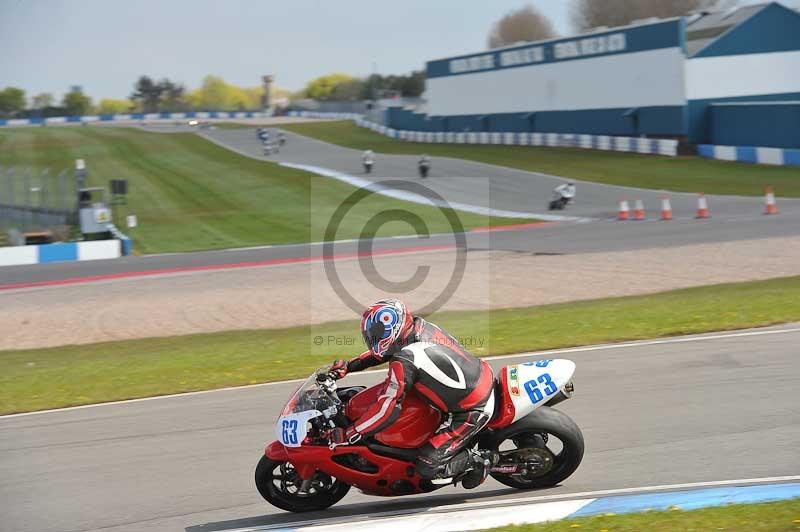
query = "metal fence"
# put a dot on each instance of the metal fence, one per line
(32, 200)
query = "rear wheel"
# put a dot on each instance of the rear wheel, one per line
(542, 450)
(280, 485)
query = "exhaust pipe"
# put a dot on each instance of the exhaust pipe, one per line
(562, 395)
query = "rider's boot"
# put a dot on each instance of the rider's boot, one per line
(480, 464)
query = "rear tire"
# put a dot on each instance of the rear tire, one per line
(545, 420)
(281, 492)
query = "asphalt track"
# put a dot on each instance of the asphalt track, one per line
(733, 218)
(659, 412)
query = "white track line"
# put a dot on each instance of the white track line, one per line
(535, 499)
(379, 188)
(600, 347)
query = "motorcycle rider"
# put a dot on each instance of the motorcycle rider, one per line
(424, 165)
(424, 357)
(368, 158)
(566, 191)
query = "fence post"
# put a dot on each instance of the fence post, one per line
(12, 201)
(80, 182)
(26, 191)
(43, 211)
(3, 207)
(63, 203)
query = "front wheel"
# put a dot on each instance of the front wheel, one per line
(540, 450)
(279, 484)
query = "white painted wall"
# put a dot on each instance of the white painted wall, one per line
(100, 249)
(742, 75)
(18, 255)
(649, 78)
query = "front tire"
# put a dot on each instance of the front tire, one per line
(278, 483)
(532, 433)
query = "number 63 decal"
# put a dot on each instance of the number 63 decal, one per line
(532, 387)
(289, 431)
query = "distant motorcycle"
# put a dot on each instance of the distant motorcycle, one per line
(558, 202)
(562, 196)
(535, 445)
(368, 159)
(424, 166)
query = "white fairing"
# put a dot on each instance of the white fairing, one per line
(292, 428)
(532, 384)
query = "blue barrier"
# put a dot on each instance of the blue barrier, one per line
(63, 252)
(751, 154)
(58, 252)
(666, 147)
(129, 117)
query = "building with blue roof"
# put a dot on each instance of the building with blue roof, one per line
(728, 77)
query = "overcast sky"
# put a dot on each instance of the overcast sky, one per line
(104, 45)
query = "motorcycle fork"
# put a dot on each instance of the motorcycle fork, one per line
(305, 472)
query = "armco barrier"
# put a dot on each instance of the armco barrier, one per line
(133, 117)
(64, 252)
(666, 147)
(749, 154)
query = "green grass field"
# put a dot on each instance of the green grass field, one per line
(681, 174)
(780, 516)
(190, 194)
(74, 375)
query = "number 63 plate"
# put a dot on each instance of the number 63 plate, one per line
(291, 428)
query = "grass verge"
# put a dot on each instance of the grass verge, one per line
(777, 516)
(73, 375)
(681, 174)
(190, 194)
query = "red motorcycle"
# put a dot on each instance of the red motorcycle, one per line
(538, 446)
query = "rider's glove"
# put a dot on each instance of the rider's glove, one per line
(339, 436)
(338, 370)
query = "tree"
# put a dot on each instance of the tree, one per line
(147, 94)
(171, 96)
(217, 95)
(75, 102)
(589, 14)
(322, 87)
(40, 101)
(410, 86)
(524, 24)
(347, 90)
(12, 101)
(413, 85)
(110, 106)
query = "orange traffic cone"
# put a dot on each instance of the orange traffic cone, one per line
(638, 210)
(771, 208)
(666, 208)
(624, 210)
(702, 206)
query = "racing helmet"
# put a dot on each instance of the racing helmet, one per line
(384, 323)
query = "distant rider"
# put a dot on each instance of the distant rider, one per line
(424, 357)
(424, 165)
(368, 158)
(566, 191)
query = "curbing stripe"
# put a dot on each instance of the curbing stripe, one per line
(691, 500)
(537, 509)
